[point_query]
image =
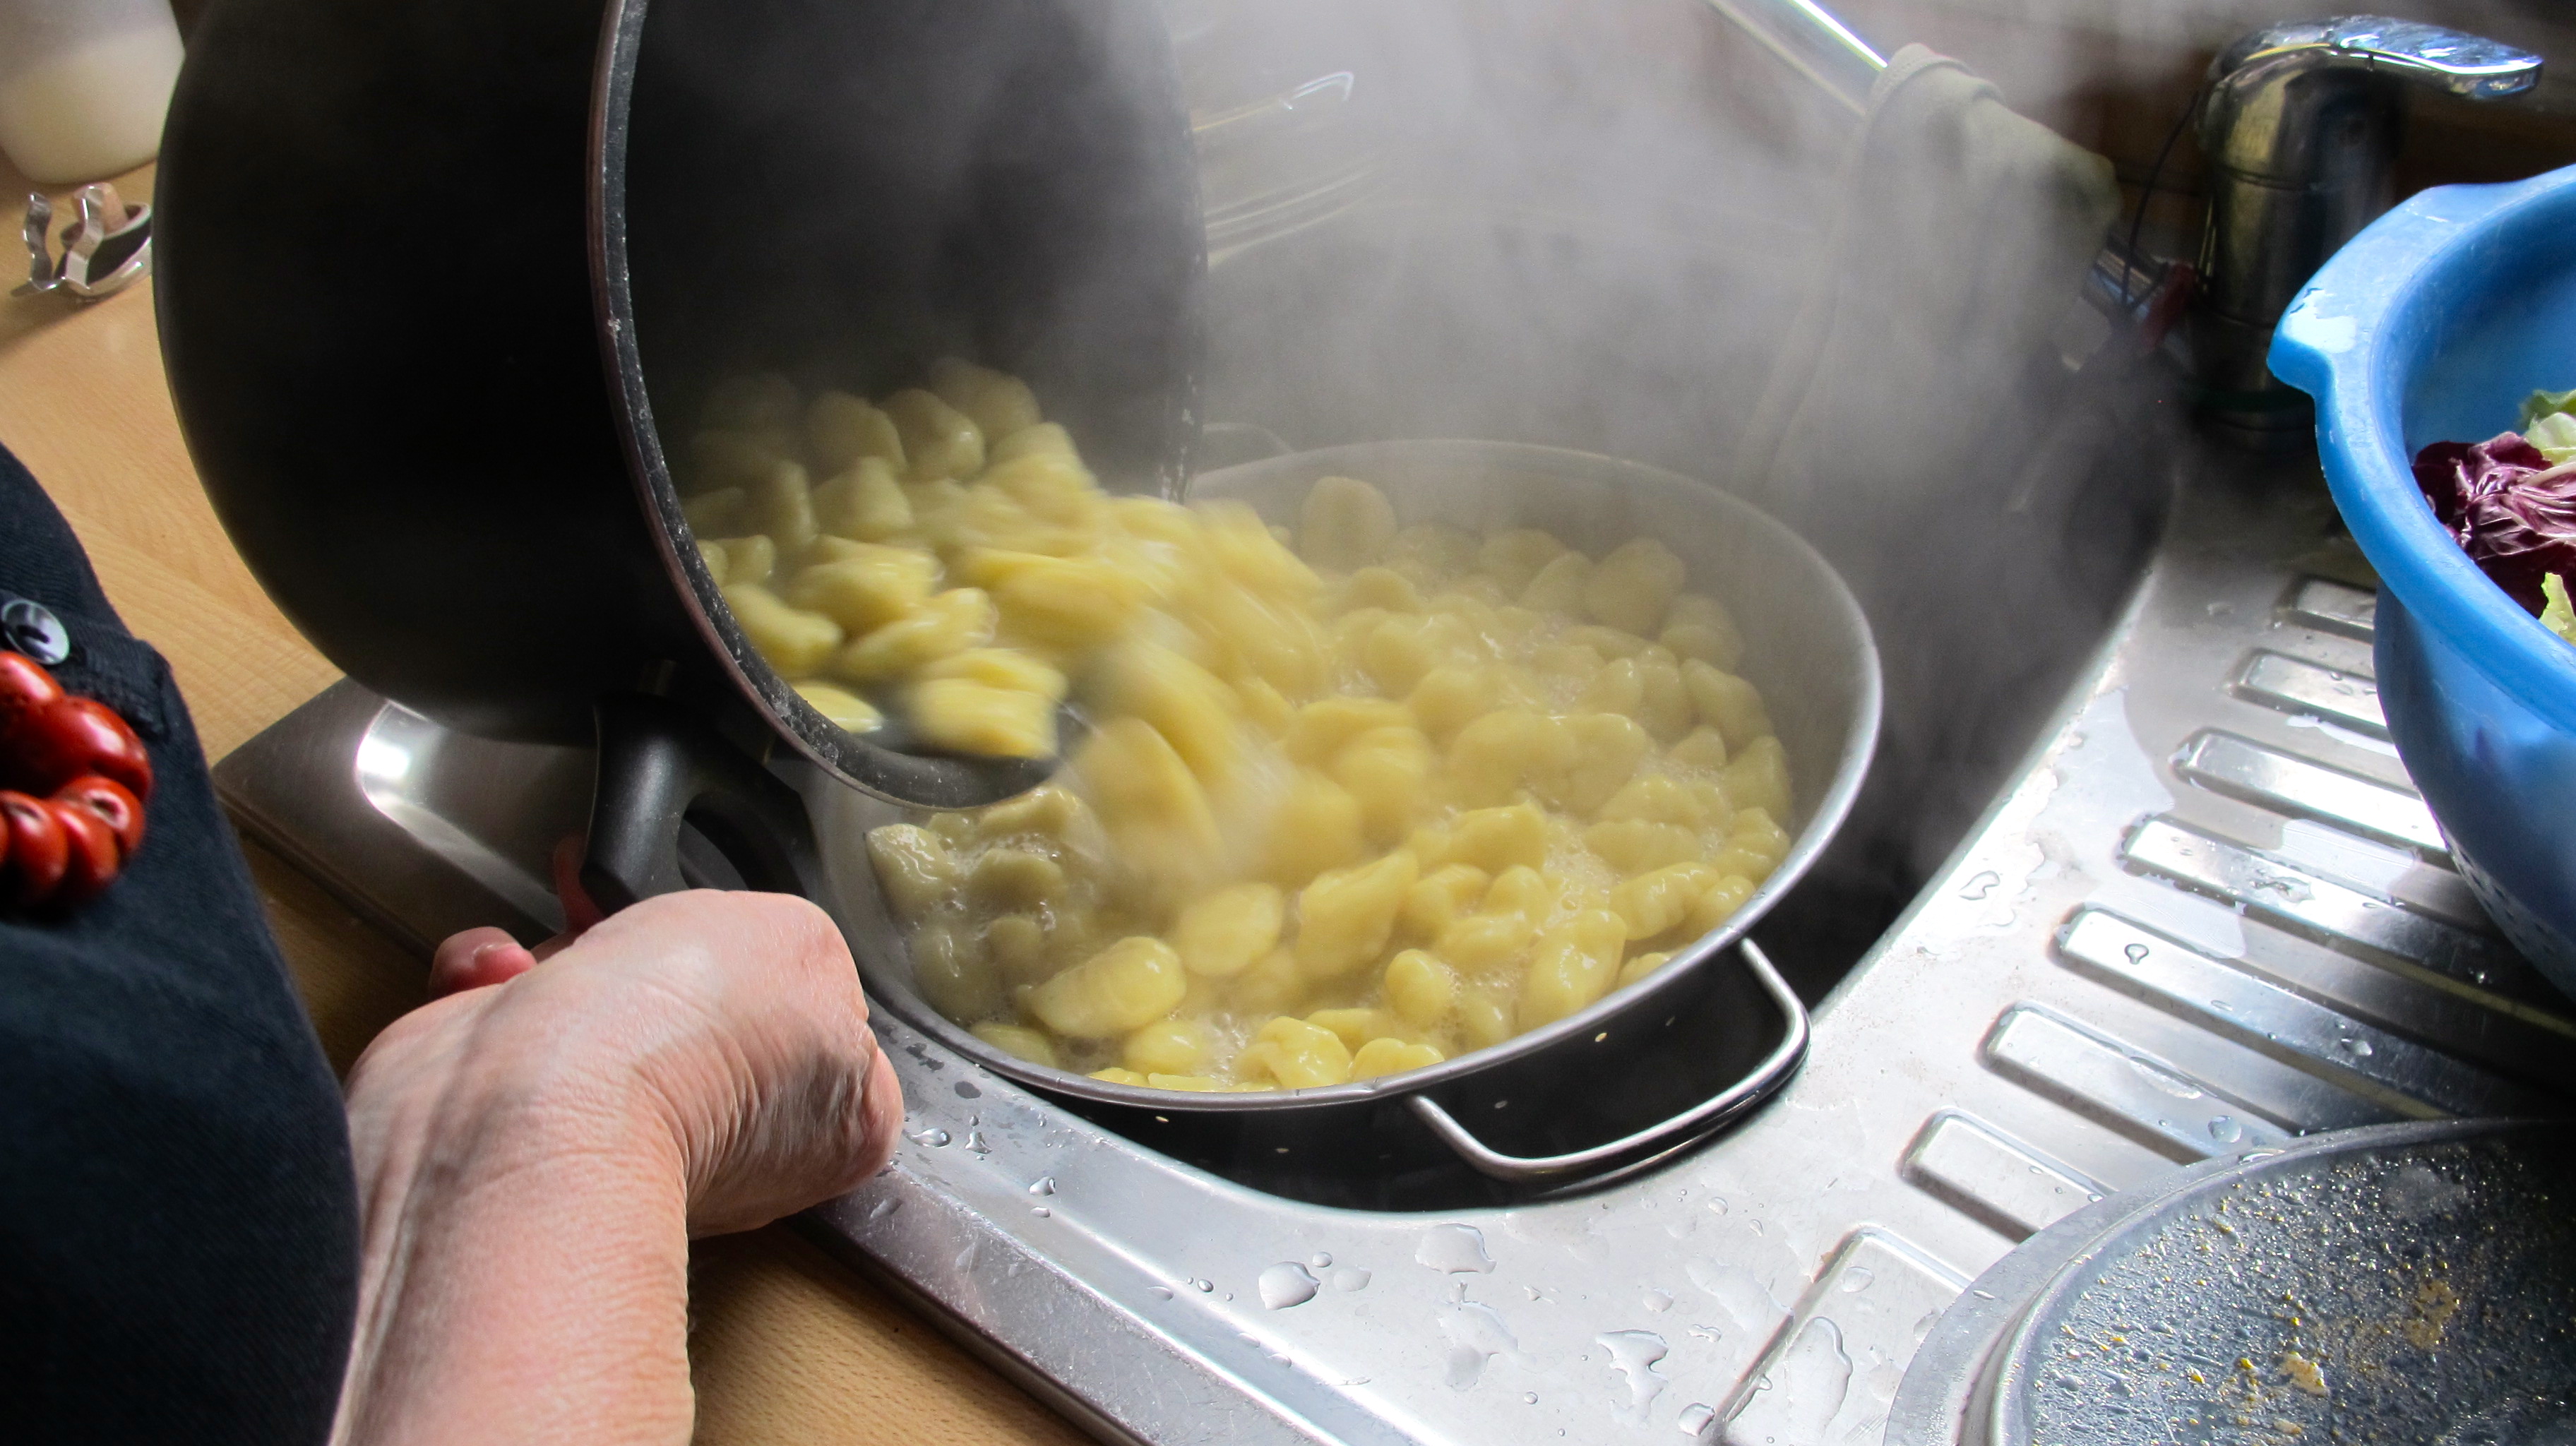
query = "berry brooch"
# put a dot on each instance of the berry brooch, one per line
(73, 781)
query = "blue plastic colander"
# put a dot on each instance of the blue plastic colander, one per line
(2433, 324)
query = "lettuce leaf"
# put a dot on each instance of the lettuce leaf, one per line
(2558, 616)
(2545, 404)
(2555, 436)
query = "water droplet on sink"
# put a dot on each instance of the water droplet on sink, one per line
(966, 1090)
(1857, 1278)
(1454, 1248)
(883, 1208)
(2225, 1130)
(2357, 1048)
(1696, 1418)
(2137, 953)
(1041, 1211)
(2292, 890)
(1802, 1392)
(934, 1138)
(1476, 1335)
(1529, 1398)
(1633, 1355)
(1202, 1286)
(1350, 1277)
(1287, 1284)
(1161, 1292)
(1320, 1259)
(1658, 1301)
(1044, 1185)
(1982, 885)
(2164, 1079)
(975, 1143)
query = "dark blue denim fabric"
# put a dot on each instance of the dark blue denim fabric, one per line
(178, 1216)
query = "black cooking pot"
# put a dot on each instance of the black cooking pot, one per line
(440, 278)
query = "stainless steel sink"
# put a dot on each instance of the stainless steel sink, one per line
(2207, 910)
(2139, 880)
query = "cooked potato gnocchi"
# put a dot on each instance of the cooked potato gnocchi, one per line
(1337, 815)
(873, 553)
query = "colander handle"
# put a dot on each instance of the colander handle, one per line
(1656, 1139)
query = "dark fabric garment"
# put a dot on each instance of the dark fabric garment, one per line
(178, 1215)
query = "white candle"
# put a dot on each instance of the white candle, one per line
(84, 84)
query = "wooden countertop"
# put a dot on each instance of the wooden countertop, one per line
(786, 1344)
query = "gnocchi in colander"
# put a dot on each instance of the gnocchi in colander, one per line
(1352, 799)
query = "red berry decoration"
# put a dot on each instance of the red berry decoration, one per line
(90, 855)
(25, 687)
(38, 853)
(69, 737)
(112, 802)
(67, 848)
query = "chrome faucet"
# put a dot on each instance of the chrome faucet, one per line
(2300, 126)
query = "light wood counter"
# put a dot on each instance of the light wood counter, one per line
(786, 1345)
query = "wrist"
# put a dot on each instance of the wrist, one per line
(470, 1085)
(525, 1235)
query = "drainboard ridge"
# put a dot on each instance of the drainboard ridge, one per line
(2214, 916)
(2380, 981)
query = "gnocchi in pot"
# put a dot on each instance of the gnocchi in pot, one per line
(938, 557)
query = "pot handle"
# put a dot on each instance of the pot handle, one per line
(1700, 1119)
(661, 766)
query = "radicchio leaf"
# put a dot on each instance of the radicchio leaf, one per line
(2511, 511)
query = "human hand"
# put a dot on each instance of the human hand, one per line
(732, 1021)
(534, 1147)
(473, 958)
